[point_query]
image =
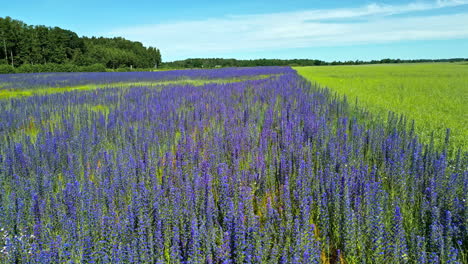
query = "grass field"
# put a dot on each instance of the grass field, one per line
(434, 95)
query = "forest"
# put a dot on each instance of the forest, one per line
(28, 48)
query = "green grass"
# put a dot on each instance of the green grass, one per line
(100, 109)
(434, 95)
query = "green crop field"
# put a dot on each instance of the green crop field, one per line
(434, 95)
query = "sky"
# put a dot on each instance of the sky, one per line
(250, 29)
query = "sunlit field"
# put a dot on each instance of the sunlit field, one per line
(434, 95)
(236, 165)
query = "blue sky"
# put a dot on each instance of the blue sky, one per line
(243, 29)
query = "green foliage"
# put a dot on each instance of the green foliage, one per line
(433, 95)
(29, 68)
(21, 44)
(93, 68)
(123, 69)
(119, 53)
(54, 67)
(6, 69)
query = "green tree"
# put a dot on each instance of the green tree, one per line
(21, 44)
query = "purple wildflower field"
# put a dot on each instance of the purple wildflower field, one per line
(268, 170)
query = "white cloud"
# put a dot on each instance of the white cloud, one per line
(373, 23)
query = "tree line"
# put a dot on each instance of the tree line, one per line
(25, 47)
(219, 62)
